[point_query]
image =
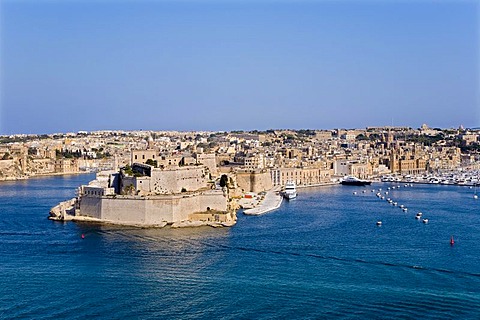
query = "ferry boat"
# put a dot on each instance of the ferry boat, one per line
(354, 181)
(290, 190)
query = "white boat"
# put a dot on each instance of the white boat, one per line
(290, 190)
(354, 181)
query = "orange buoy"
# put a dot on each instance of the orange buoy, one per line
(452, 242)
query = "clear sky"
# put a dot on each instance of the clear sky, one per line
(238, 65)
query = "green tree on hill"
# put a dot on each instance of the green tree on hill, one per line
(223, 180)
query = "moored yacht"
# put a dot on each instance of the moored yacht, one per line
(354, 181)
(290, 190)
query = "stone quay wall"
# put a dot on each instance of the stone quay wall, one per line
(151, 210)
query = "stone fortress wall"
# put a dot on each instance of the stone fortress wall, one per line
(254, 180)
(189, 178)
(153, 209)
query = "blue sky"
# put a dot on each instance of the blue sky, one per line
(230, 65)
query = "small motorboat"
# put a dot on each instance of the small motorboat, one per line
(425, 220)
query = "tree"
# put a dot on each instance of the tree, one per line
(202, 145)
(361, 137)
(128, 170)
(6, 156)
(223, 180)
(151, 162)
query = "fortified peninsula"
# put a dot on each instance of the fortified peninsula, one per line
(148, 194)
(156, 178)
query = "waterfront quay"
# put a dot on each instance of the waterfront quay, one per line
(219, 171)
(468, 178)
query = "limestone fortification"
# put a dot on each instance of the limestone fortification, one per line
(147, 196)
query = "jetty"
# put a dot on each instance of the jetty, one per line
(272, 201)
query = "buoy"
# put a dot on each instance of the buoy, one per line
(83, 236)
(452, 242)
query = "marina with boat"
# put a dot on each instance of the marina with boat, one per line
(468, 178)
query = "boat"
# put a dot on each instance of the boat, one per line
(290, 190)
(354, 181)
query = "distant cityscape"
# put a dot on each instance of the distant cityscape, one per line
(307, 157)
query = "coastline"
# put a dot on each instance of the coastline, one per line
(42, 175)
(325, 184)
(273, 200)
(179, 224)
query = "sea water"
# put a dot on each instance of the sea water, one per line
(319, 256)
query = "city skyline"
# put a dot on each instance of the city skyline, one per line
(208, 65)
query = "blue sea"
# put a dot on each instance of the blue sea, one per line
(320, 256)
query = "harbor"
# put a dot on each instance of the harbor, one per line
(312, 257)
(460, 177)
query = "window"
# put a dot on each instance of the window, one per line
(135, 157)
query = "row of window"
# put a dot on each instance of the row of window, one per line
(143, 156)
(93, 192)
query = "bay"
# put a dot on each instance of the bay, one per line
(319, 256)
